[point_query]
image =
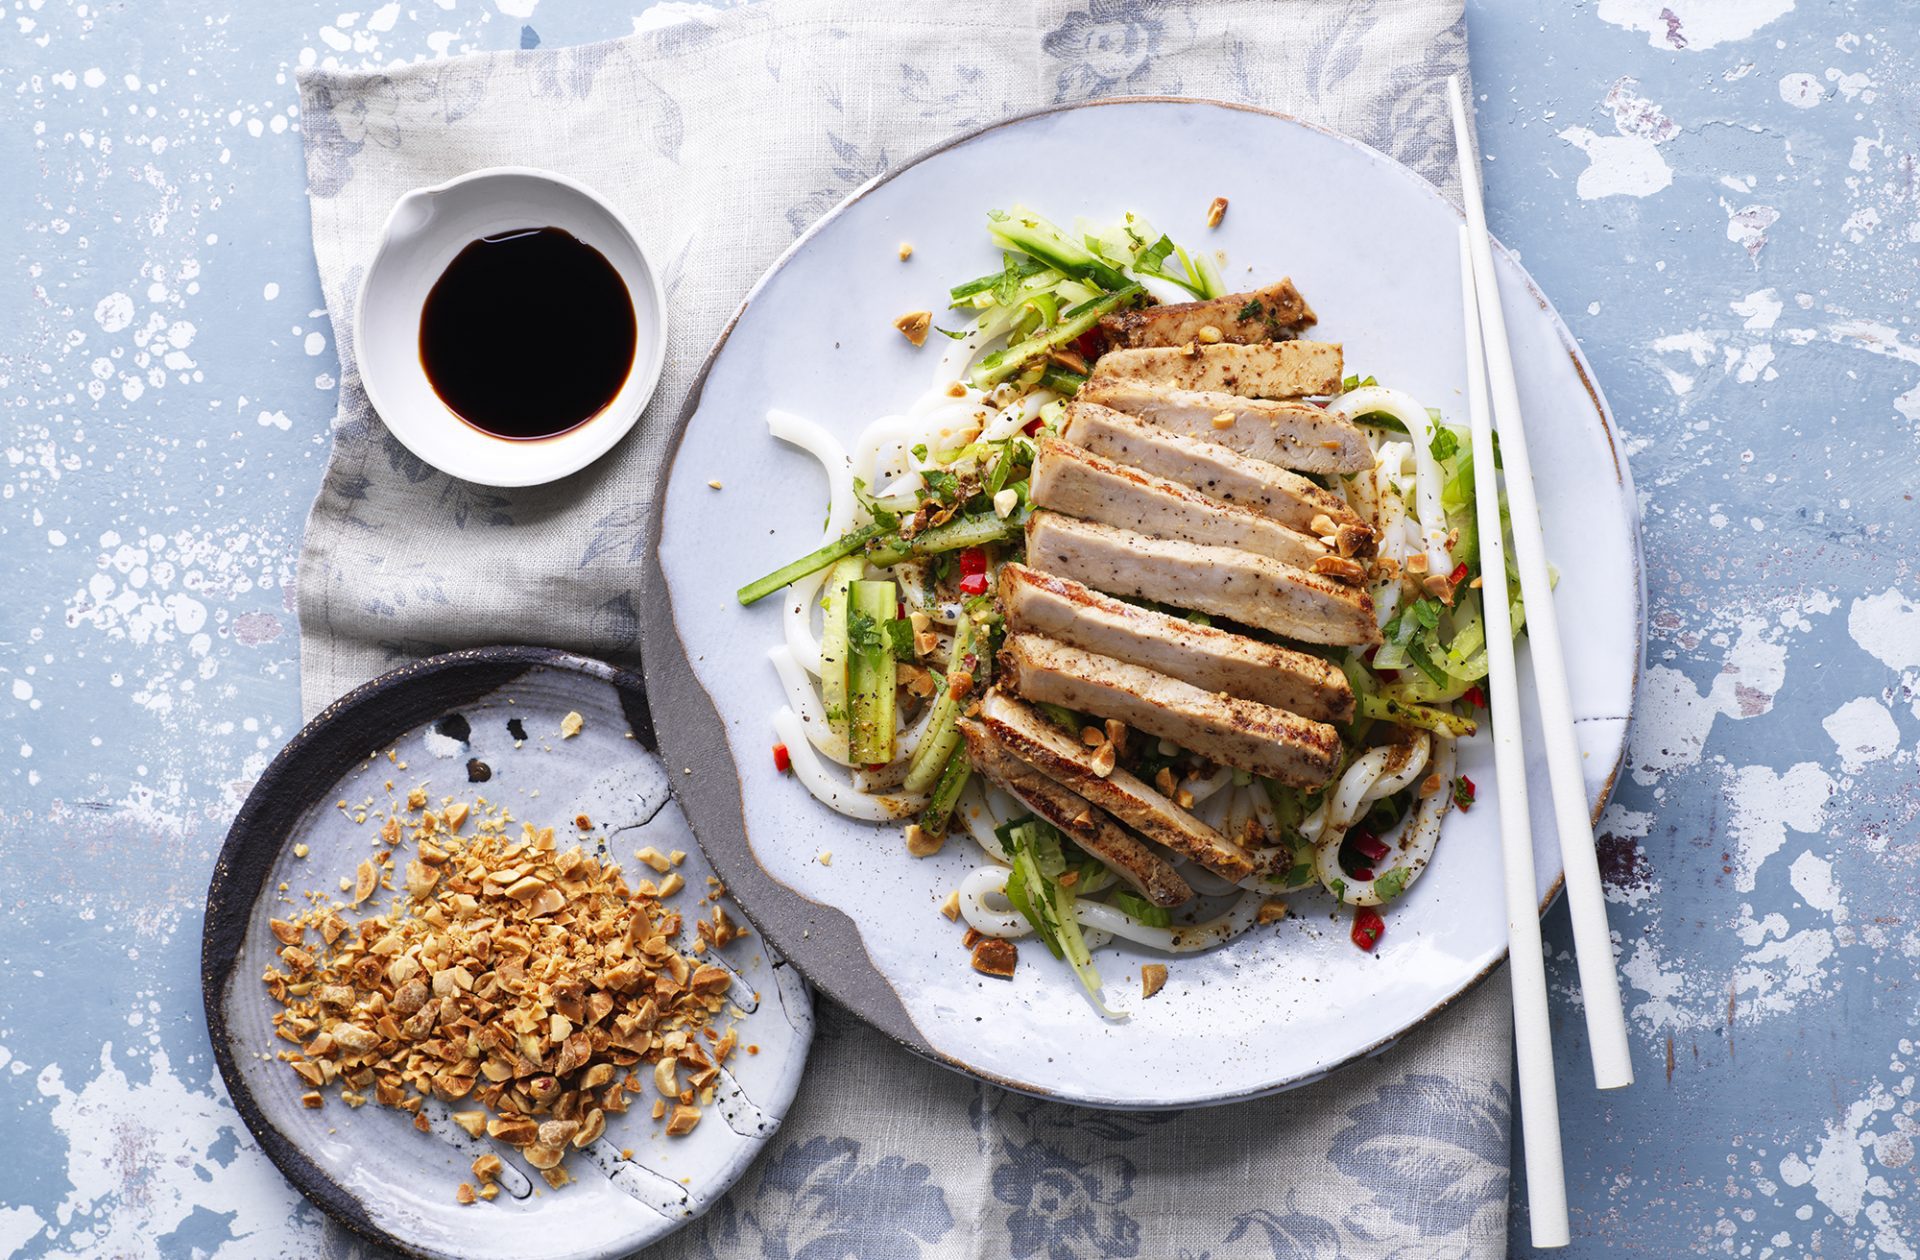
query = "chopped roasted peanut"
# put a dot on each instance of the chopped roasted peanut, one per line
(923, 843)
(995, 957)
(659, 861)
(1153, 977)
(1223, 420)
(1116, 734)
(1103, 758)
(487, 1168)
(914, 325)
(825, 858)
(906, 251)
(683, 1120)
(1215, 212)
(1165, 781)
(571, 725)
(1183, 798)
(474, 1122)
(1271, 910)
(1092, 736)
(1208, 335)
(1340, 568)
(364, 882)
(1321, 525)
(1437, 586)
(463, 1193)
(1429, 785)
(951, 907)
(1417, 562)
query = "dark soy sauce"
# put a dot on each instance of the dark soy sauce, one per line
(528, 334)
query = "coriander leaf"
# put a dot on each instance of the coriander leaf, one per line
(1427, 613)
(920, 451)
(1391, 884)
(863, 634)
(900, 639)
(1445, 443)
(1253, 310)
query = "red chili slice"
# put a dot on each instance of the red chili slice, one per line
(781, 760)
(1367, 927)
(1032, 426)
(1369, 846)
(973, 560)
(1475, 696)
(1458, 575)
(973, 584)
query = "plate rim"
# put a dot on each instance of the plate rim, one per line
(242, 866)
(669, 671)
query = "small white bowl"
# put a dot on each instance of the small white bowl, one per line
(425, 230)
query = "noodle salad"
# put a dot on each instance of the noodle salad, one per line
(1261, 691)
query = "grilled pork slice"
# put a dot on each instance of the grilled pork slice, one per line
(1069, 479)
(1292, 434)
(1276, 369)
(1244, 734)
(1217, 471)
(1072, 764)
(1209, 658)
(1274, 313)
(1149, 873)
(1220, 581)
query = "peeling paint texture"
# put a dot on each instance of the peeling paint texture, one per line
(1720, 195)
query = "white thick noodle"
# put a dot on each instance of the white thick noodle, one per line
(1186, 939)
(805, 702)
(1405, 408)
(981, 883)
(1203, 788)
(835, 793)
(826, 448)
(1017, 416)
(1417, 840)
(1204, 881)
(980, 824)
(796, 619)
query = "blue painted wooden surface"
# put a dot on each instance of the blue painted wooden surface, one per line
(1722, 199)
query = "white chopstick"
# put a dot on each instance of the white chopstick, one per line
(1526, 967)
(1592, 940)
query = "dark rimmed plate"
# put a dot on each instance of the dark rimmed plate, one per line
(1375, 249)
(482, 722)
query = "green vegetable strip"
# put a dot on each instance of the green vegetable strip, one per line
(946, 794)
(812, 562)
(870, 673)
(1140, 908)
(936, 745)
(973, 530)
(1062, 381)
(1387, 709)
(1001, 364)
(833, 642)
(1035, 237)
(1021, 267)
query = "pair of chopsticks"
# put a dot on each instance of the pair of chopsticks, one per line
(1490, 361)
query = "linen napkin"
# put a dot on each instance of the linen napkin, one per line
(722, 134)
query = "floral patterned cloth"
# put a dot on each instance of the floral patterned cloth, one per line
(723, 133)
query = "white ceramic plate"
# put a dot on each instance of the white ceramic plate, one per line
(1373, 247)
(482, 722)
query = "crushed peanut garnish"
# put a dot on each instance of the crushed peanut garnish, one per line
(1429, 785)
(1208, 335)
(995, 957)
(571, 725)
(906, 251)
(1271, 910)
(914, 325)
(1215, 212)
(923, 843)
(1223, 420)
(951, 907)
(1153, 976)
(522, 980)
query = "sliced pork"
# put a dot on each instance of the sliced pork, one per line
(1244, 734)
(1209, 658)
(1215, 470)
(1276, 369)
(1294, 435)
(1070, 479)
(1150, 874)
(1219, 581)
(1069, 762)
(1274, 313)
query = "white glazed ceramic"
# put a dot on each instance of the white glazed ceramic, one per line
(446, 722)
(424, 232)
(1373, 248)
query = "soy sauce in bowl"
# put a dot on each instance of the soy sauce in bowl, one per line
(528, 334)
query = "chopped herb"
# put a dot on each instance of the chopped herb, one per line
(900, 639)
(941, 485)
(1446, 443)
(1427, 613)
(863, 633)
(1392, 884)
(1253, 310)
(1354, 382)
(920, 451)
(1463, 793)
(1140, 908)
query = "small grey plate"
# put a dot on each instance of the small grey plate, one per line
(1375, 249)
(479, 723)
